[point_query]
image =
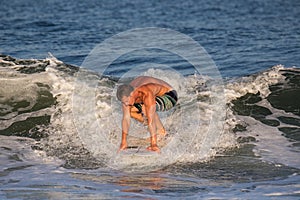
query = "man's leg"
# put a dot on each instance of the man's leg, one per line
(159, 126)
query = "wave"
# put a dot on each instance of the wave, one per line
(72, 114)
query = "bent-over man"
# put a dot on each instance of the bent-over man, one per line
(140, 100)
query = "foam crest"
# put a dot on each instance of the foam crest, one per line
(253, 84)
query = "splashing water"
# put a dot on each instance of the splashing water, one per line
(190, 134)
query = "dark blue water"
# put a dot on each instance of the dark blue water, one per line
(241, 36)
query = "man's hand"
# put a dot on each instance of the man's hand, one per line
(123, 144)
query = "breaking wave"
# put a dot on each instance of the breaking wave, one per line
(47, 101)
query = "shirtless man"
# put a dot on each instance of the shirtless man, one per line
(141, 99)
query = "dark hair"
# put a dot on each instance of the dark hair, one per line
(124, 90)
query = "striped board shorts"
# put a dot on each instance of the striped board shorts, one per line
(166, 101)
(163, 103)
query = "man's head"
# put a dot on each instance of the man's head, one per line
(124, 91)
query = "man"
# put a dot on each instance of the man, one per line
(140, 100)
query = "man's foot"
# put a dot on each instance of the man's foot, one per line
(122, 147)
(153, 148)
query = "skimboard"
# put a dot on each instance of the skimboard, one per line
(138, 151)
(138, 147)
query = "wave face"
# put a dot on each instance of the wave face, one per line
(47, 101)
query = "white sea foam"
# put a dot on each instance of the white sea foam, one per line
(19, 87)
(253, 84)
(192, 134)
(21, 148)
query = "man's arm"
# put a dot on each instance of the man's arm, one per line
(125, 126)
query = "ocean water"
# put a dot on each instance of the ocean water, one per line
(233, 135)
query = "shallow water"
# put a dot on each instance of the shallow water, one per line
(235, 175)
